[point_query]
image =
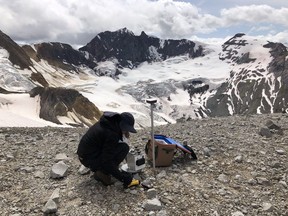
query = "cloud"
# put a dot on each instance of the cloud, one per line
(281, 36)
(254, 14)
(78, 21)
(70, 20)
(36, 20)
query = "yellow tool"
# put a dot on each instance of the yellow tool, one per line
(134, 182)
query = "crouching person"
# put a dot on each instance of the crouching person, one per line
(102, 148)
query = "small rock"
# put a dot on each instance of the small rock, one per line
(275, 164)
(59, 170)
(252, 181)
(194, 171)
(207, 152)
(162, 213)
(223, 178)
(238, 177)
(147, 184)
(222, 192)
(280, 151)
(55, 195)
(166, 201)
(283, 183)
(237, 213)
(238, 159)
(83, 170)
(267, 207)
(115, 207)
(254, 174)
(274, 128)
(39, 137)
(152, 205)
(265, 132)
(271, 125)
(162, 174)
(206, 196)
(10, 156)
(61, 157)
(134, 192)
(50, 207)
(262, 181)
(151, 193)
(39, 174)
(27, 169)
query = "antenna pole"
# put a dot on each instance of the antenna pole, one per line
(152, 102)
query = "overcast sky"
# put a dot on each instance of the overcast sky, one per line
(78, 21)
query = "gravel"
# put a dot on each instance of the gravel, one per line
(238, 172)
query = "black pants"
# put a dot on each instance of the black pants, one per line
(95, 163)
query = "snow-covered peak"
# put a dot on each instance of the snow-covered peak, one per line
(241, 46)
(189, 79)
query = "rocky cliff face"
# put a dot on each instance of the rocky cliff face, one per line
(59, 102)
(131, 50)
(17, 55)
(59, 55)
(257, 83)
(279, 68)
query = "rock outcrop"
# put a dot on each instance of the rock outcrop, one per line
(131, 50)
(17, 55)
(253, 86)
(59, 102)
(60, 55)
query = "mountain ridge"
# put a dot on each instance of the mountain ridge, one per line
(179, 73)
(266, 84)
(131, 50)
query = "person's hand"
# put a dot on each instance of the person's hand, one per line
(127, 178)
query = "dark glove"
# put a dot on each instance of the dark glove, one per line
(126, 178)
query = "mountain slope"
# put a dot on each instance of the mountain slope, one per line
(131, 50)
(23, 69)
(59, 103)
(59, 55)
(258, 78)
(118, 71)
(17, 55)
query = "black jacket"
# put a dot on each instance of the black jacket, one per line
(100, 141)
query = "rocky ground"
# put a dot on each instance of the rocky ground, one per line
(238, 172)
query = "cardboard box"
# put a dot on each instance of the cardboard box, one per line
(164, 152)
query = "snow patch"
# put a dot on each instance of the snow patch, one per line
(20, 110)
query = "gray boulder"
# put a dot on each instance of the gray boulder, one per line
(59, 170)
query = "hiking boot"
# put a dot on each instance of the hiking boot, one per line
(103, 178)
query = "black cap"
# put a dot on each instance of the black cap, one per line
(127, 122)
